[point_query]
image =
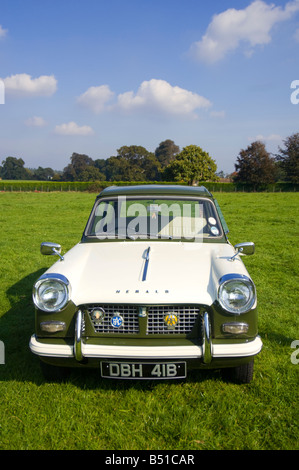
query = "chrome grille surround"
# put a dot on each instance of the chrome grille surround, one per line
(155, 315)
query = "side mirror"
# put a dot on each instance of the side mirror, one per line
(246, 248)
(48, 248)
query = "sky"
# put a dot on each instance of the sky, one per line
(92, 76)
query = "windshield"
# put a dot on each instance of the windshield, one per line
(154, 219)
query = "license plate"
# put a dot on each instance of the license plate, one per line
(143, 370)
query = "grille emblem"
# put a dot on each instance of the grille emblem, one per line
(171, 321)
(117, 321)
(142, 312)
(98, 315)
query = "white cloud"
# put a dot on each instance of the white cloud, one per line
(35, 121)
(152, 96)
(72, 128)
(23, 85)
(270, 138)
(2, 32)
(159, 95)
(252, 26)
(96, 97)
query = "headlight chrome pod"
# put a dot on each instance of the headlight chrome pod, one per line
(236, 293)
(51, 292)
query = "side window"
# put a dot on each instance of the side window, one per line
(221, 217)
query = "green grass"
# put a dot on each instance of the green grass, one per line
(202, 412)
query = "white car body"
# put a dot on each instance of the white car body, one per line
(105, 283)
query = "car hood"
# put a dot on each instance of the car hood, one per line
(177, 272)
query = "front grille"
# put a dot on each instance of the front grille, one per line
(127, 313)
(171, 319)
(161, 319)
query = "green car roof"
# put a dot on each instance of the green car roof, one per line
(156, 189)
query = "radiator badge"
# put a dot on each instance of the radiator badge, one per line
(97, 315)
(171, 321)
(117, 321)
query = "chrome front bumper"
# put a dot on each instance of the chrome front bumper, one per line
(145, 352)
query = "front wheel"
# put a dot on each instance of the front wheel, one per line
(241, 374)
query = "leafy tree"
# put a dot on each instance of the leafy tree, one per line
(69, 173)
(255, 166)
(288, 158)
(118, 169)
(13, 169)
(151, 167)
(81, 168)
(101, 164)
(42, 174)
(166, 152)
(191, 165)
(133, 163)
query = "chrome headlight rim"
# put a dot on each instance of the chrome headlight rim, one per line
(59, 278)
(242, 279)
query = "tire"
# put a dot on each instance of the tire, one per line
(54, 373)
(241, 374)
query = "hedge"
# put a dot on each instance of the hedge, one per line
(97, 186)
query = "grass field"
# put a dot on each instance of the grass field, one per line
(202, 412)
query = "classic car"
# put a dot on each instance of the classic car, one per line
(153, 289)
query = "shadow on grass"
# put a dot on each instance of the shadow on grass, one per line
(275, 337)
(16, 327)
(91, 379)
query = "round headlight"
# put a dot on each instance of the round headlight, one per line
(236, 294)
(51, 293)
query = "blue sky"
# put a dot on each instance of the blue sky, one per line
(91, 76)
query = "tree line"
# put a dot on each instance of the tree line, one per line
(254, 165)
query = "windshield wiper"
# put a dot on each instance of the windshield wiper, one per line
(149, 236)
(126, 236)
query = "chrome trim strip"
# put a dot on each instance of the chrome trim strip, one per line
(207, 341)
(78, 341)
(59, 277)
(233, 276)
(146, 264)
